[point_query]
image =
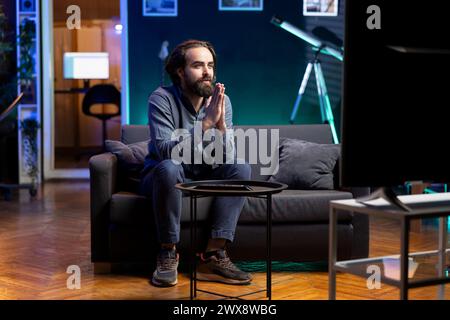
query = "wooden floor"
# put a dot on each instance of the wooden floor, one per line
(40, 238)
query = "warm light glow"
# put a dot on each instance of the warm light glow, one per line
(86, 65)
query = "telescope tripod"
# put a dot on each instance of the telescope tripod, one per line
(322, 92)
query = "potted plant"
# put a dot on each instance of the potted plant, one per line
(29, 128)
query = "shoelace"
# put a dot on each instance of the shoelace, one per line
(226, 263)
(167, 263)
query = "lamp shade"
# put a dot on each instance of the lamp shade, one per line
(86, 65)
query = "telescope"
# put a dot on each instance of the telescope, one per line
(314, 64)
(315, 42)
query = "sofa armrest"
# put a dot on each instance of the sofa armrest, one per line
(356, 191)
(359, 192)
(103, 170)
(360, 222)
(361, 230)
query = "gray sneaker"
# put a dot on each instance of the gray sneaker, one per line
(166, 274)
(219, 268)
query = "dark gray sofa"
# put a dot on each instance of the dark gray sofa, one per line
(123, 231)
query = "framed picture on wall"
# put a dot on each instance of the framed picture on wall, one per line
(241, 5)
(320, 7)
(160, 8)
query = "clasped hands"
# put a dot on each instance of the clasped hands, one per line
(215, 110)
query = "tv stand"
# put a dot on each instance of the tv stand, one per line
(387, 194)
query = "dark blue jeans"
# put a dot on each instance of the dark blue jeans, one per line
(159, 185)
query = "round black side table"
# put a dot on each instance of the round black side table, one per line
(230, 188)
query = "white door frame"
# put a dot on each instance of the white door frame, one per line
(48, 90)
(125, 94)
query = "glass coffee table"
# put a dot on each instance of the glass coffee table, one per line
(229, 188)
(408, 269)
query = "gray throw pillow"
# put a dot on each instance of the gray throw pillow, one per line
(306, 165)
(130, 156)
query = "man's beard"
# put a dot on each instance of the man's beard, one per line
(200, 87)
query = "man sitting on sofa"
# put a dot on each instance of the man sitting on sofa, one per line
(192, 100)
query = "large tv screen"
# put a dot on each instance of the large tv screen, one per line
(396, 93)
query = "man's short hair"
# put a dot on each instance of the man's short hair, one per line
(177, 58)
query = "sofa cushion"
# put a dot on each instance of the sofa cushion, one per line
(317, 133)
(295, 206)
(131, 209)
(298, 206)
(132, 153)
(130, 157)
(306, 165)
(134, 133)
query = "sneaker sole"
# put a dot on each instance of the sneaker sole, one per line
(217, 278)
(163, 284)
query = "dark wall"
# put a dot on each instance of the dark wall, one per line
(8, 127)
(9, 9)
(260, 64)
